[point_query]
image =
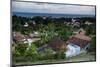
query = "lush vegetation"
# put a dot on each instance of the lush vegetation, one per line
(47, 28)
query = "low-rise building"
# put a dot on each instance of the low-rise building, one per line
(77, 43)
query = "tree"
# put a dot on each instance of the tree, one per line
(21, 48)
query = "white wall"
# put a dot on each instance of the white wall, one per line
(5, 33)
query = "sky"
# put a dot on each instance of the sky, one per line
(32, 7)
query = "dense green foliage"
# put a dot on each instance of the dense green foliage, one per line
(47, 28)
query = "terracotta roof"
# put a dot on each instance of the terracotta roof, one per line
(80, 40)
(18, 36)
(57, 44)
(81, 36)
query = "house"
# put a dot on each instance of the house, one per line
(88, 23)
(73, 20)
(20, 38)
(73, 23)
(33, 22)
(44, 17)
(17, 36)
(35, 34)
(26, 24)
(81, 31)
(57, 44)
(67, 23)
(77, 24)
(77, 43)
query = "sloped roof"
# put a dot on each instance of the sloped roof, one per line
(18, 36)
(80, 40)
(57, 44)
(81, 36)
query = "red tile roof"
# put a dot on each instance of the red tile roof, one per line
(57, 44)
(18, 36)
(80, 40)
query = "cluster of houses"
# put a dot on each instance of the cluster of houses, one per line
(26, 23)
(74, 23)
(75, 45)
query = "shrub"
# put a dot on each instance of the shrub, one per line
(20, 49)
(60, 56)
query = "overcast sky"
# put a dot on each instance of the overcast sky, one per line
(32, 7)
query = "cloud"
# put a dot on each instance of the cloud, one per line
(51, 8)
